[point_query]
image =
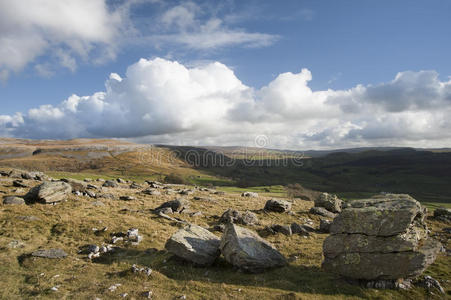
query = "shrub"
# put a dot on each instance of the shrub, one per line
(175, 179)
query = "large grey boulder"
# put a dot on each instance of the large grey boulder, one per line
(13, 200)
(382, 216)
(329, 202)
(49, 192)
(277, 205)
(195, 244)
(247, 251)
(382, 238)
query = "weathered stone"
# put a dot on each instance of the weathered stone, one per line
(379, 216)
(284, 229)
(383, 238)
(177, 205)
(49, 192)
(324, 225)
(247, 251)
(134, 185)
(321, 211)
(299, 229)
(277, 205)
(393, 265)
(77, 185)
(342, 242)
(127, 198)
(110, 183)
(13, 200)
(195, 244)
(249, 194)
(50, 253)
(152, 192)
(329, 202)
(120, 180)
(234, 216)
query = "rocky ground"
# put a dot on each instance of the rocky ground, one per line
(109, 240)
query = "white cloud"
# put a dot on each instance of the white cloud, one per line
(184, 25)
(33, 28)
(164, 101)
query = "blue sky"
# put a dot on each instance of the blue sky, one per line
(343, 44)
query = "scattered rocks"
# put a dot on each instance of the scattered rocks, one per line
(134, 185)
(321, 211)
(195, 244)
(247, 251)
(49, 253)
(430, 284)
(141, 270)
(234, 216)
(277, 205)
(329, 202)
(49, 192)
(133, 236)
(13, 200)
(114, 287)
(249, 194)
(380, 238)
(110, 183)
(443, 214)
(19, 183)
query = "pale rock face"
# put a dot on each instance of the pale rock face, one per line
(49, 192)
(382, 238)
(329, 202)
(195, 244)
(247, 251)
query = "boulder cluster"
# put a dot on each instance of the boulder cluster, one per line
(241, 247)
(382, 238)
(327, 205)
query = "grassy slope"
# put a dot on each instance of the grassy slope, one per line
(69, 226)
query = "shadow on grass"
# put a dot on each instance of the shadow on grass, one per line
(292, 278)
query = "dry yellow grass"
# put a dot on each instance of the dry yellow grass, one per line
(69, 226)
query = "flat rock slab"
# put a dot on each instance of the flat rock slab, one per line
(390, 215)
(13, 200)
(49, 253)
(195, 244)
(375, 266)
(246, 250)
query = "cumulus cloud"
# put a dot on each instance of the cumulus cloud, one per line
(64, 29)
(163, 101)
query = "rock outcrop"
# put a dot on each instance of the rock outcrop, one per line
(329, 202)
(382, 238)
(195, 244)
(277, 205)
(247, 251)
(49, 192)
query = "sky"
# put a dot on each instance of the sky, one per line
(295, 74)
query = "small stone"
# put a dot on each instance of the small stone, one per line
(50, 253)
(127, 198)
(110, 183)
(13, 200)
(249, 194)
(116, 239)
(321, 211)
(284, 229)
(148, 294)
